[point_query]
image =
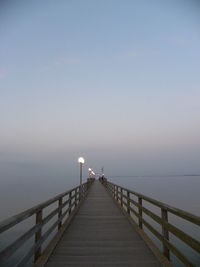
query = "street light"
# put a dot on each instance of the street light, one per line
(90, 170)
(81, 161)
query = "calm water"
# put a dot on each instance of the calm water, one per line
(20, 193)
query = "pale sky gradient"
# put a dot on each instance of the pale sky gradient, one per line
(117, 82)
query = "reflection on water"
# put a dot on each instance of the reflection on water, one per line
(18, 194)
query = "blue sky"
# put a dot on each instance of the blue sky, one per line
(115, 81)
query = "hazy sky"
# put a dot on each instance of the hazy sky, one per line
(115, 81)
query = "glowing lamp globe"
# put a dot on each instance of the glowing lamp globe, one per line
(81, 160)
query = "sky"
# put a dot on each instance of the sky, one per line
(117, 82)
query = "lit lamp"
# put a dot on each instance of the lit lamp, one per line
(81, 161)
(90, 171)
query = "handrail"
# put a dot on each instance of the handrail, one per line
(176, 211)
(123, 197)
(12, 221)
(74, 198)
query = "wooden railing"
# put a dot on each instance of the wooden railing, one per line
(73, 199)
(124, 198)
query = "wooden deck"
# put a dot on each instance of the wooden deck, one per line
(101, 235)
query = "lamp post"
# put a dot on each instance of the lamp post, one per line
(89, 170)
(81, 161)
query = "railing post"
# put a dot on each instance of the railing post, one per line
(88, 185)
(70, 202)
(75, 197)
(165, 232)
(79, 193)
(121, 196)
(84, 189)
(106, 183)
(128, 202)
(140, 212)
(38, 235)
(59, 212)
(117, 194)
(113, 190)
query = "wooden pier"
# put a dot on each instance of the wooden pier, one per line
(98, 224)
(100, 235)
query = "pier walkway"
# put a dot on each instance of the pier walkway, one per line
(100, 235)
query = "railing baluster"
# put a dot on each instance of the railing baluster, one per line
(38, 235)
(79, 193)
(128, 202)
(121, 196)
(117, 194)
(70, 202)
(165, 232)
(60, 200)
(88, 185)
(140, 212)
(75, 197)
(82, 192)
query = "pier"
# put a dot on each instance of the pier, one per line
(99, 224)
